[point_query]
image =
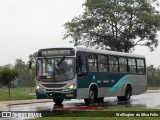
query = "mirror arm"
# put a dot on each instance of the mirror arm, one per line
(30, 64)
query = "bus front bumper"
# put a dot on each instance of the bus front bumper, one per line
(50, 95)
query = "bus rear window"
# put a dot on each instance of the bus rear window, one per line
(140, 66)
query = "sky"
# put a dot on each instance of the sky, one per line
(29, 25)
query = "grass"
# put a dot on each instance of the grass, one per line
(101, 115)
(98, 118)
(17, 94)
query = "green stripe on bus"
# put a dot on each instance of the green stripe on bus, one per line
(119, 84)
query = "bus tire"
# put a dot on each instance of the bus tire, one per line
(128, 93)
(57, 101)
(92, 96)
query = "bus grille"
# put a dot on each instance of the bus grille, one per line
(53, 85)
(51, 90)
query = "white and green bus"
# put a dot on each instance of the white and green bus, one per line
(89, 74)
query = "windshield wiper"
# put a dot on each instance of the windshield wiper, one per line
(61, 60)
(46, 59)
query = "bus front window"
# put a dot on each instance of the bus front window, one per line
(55, 69)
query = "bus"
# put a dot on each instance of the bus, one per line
(89, 74)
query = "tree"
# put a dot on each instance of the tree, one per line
(23, 78)
(158, 75)
(8, 74)
(116, 24)
(153, 76)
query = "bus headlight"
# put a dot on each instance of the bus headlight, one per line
(38, 87)
(72, 86)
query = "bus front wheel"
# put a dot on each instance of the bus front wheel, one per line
(92, 96)
(57, 101)
(128, 93)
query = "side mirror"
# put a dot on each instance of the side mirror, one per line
(30, 64)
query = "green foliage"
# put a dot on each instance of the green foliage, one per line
(17, 94)
(26, 76)
(116, 24)
(153, 76)
(98, 118)
(8, 74)
(20, 71)
(98, 115)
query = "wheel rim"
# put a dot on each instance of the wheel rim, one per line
(92, 96)
(128, 94)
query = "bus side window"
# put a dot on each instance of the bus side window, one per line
(113, 64)
(102, 63)
(123, 64)
(82, 64)
(92, 63)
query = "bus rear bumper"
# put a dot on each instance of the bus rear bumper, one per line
(50, 95)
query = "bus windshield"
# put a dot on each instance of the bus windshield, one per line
(55, 69)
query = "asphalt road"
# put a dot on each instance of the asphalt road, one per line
(150, 99)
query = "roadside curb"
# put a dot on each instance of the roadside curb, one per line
(21, 102)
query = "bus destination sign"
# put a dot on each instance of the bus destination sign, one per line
(56, 52)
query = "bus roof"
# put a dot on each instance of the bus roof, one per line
(109, 52)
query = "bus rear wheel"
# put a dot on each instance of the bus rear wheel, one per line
(128, 93)
(92, 96)
(57, 101)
